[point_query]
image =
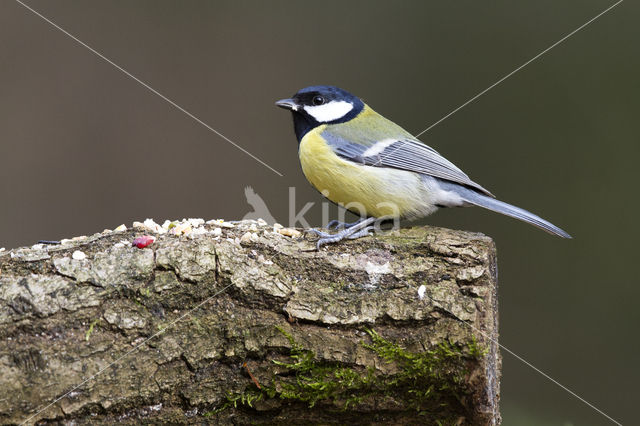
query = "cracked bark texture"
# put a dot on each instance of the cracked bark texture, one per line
(217, 304)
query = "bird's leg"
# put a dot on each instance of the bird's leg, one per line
(360, 229)
(337, 224)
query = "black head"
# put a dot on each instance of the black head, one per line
(316, 105)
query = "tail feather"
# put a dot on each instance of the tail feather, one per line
(472, 197)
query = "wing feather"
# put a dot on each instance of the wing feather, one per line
(403, 152)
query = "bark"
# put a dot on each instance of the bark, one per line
(239, 324)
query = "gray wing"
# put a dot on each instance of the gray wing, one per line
(403, 153)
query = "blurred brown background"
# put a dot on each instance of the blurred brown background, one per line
(85, 147)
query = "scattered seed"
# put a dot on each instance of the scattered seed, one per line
(143, 241)
(78, 255)
(289, 232)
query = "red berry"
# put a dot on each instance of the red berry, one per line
(144, 241)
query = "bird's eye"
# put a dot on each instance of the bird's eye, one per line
(318, 100)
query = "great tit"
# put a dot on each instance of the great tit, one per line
(360, 160)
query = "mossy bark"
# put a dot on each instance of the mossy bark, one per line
(248, 326)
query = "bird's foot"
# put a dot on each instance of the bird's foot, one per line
(362, 233)
(357, 230)
(320, 233)
(336, 224)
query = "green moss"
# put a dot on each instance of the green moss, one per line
(87, 335)
(424, 381)
(197, 325)
(425, 378)
(234, 400)
(337, 285)
(320, 381)
(475, 350)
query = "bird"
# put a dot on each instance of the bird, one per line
(373, 167)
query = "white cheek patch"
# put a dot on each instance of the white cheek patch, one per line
(378, 147)
(329, 111)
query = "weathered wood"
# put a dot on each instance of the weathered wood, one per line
(253, 329)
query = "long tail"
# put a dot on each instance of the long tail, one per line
(477, 199)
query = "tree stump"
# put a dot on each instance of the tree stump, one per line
(239, 323)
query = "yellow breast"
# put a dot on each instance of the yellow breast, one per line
(365, 190)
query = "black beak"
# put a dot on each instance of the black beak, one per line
(287, 104)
